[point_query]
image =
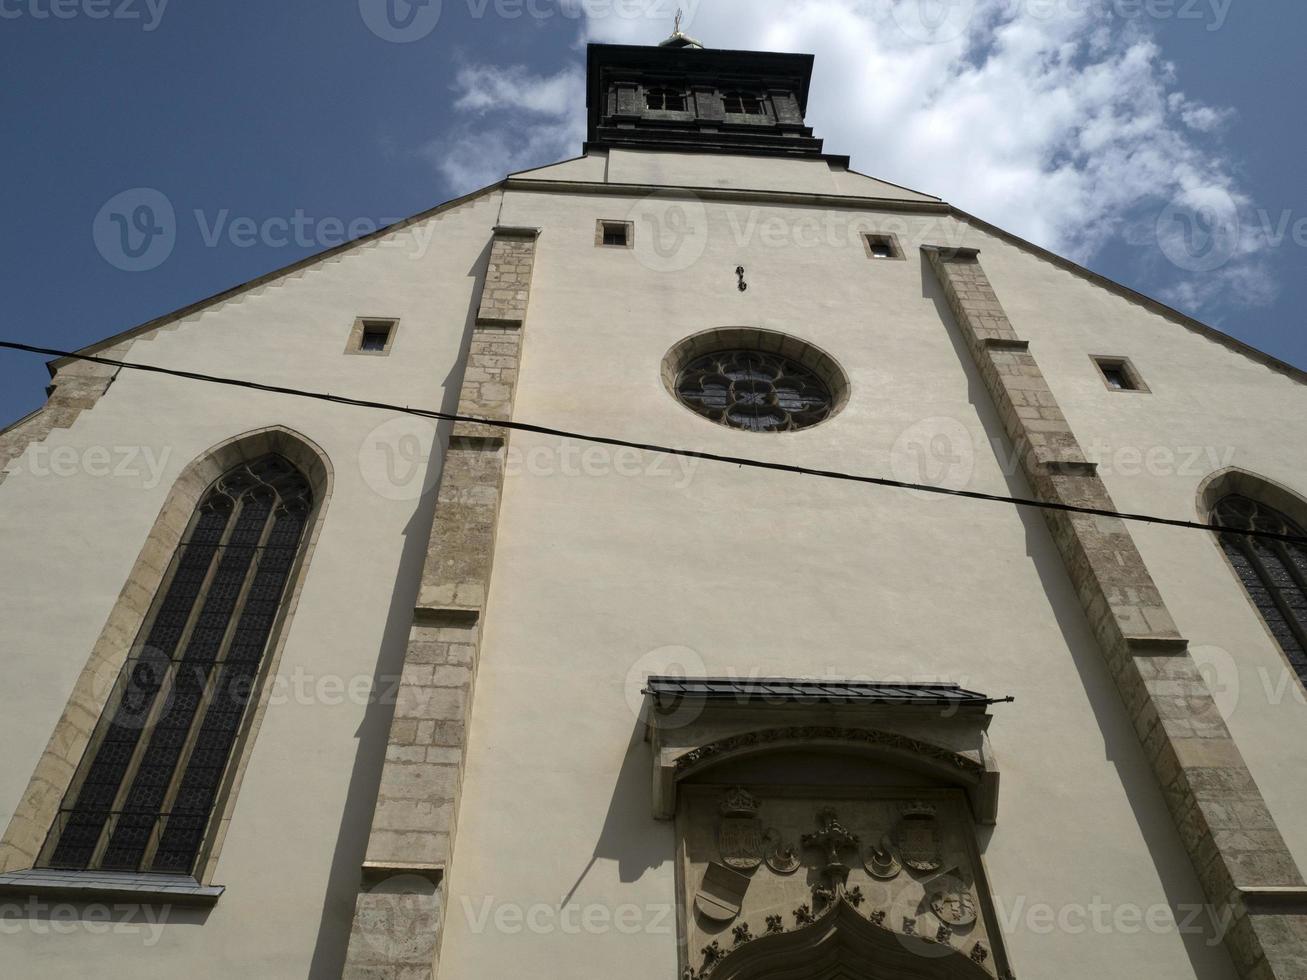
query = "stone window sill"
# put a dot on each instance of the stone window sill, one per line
(108, 886)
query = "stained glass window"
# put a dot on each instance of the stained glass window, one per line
(754, 390)
(151, 780)
(1273, 572)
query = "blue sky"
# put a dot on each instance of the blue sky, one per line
(1158, 141)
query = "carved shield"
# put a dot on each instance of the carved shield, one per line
(880, 862)
(951, 901)
(740, 841)
(919, 843)
(782, 857)
(722, 893)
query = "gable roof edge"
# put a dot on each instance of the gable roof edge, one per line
(1075, 268)
(890, 183)
(200, 305)
(1134, 296)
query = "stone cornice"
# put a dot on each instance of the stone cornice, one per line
(745, 196)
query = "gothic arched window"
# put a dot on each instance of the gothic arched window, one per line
(665, 99)
(146, 792)
(1273, 572)
(743, 104)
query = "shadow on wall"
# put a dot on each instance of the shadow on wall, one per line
(374, 734)
(1175, 872)
(630, 836)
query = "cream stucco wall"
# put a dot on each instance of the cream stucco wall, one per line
(291, 858)
(1208, 409)
(715, 170)
(764, 574)
(746, 173)
(611, 565)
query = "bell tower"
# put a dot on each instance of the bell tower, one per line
(682, 96)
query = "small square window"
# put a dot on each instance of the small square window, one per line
(375, 337)
(1119, 374)
(1116, 377)
(372, 336)
(614, 234)
(881, 246)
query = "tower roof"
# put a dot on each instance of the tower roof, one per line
(680, 40)
(681, 96)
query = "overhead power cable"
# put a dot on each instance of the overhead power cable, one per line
(879, 481)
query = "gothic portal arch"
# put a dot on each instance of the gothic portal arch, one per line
(846, 944)
(826, 830)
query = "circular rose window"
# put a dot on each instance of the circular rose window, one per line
(754, 379)
(754, 390)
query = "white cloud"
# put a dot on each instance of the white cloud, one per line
(514, 120)
(486, 87)
(1046, 117)
(1204, 118)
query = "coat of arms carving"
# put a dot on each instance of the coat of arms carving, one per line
(880, 862)
(722, 893)
(918, 838)
(782, 856)
(905, 865)
(740, 838)
(951, 901)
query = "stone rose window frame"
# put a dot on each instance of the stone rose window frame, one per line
(754, 391)
(814, 360)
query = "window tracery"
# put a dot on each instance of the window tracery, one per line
(151, 780)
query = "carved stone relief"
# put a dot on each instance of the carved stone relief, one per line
(739, 833)
(758, 864)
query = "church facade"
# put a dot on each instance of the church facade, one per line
(604, 662)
